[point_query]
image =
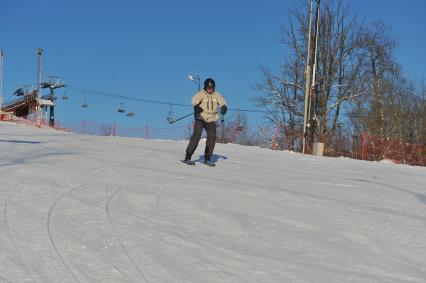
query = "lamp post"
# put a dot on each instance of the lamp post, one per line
(307, 81)
(312, 99)
(1, 79)
(38, 111)
(196, 79)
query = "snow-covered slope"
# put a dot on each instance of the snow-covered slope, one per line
(78, 208)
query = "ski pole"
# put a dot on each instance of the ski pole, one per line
(171, 120)
(223, 128)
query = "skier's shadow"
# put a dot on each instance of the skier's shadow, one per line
(214, 158)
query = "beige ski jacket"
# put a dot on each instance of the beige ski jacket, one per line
(209, 103)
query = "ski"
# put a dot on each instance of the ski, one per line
(188, 162)
(209, 164)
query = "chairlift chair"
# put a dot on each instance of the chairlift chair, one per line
(65, 96)
(121, 108)
(170, 117)
(130, 112)
(84, 104)
(19, 92)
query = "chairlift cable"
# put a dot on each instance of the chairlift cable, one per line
(102, 93)
(123, 97)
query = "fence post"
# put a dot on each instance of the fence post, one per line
(274, 140)
(363, 140)
(84, 125)
(234, 134)
(146, 132)
(114, 132)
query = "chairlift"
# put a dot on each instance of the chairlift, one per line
(65, 96)
(130, 112)
(121, 108)
(170, 117)
(54, 80)
(19, 92)
(84, 104)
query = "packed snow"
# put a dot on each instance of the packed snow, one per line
(80, 208)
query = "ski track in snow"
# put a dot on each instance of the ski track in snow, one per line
(113, 264)
(49, 229)
(117, 235)
(8, 230)
(420, 197)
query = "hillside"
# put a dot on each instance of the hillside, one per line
(79, 208)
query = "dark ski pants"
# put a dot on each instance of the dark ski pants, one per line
(210, 128)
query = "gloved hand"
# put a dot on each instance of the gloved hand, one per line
(224, 109)
(197, 109)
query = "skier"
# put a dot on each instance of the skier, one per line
(205, 103)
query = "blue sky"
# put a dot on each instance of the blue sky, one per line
(146, 49)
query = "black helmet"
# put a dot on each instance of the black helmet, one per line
(209, 82)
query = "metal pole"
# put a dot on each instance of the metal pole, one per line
(39, 53)
(223, 128)
(307, 79)
(312, 96)
(1, 79)
(52, 110)
(173, 121)
(199, 81)
(316, 43)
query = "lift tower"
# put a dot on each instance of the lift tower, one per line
(52, 85)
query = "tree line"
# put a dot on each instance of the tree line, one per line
(360, 87)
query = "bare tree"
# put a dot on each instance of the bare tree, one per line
(380, 77)
(339, 50)
(234, 129)
(107, 130)
(419, 115)
(358, 83)
(339, 46)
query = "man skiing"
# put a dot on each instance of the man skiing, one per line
(205, 103)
